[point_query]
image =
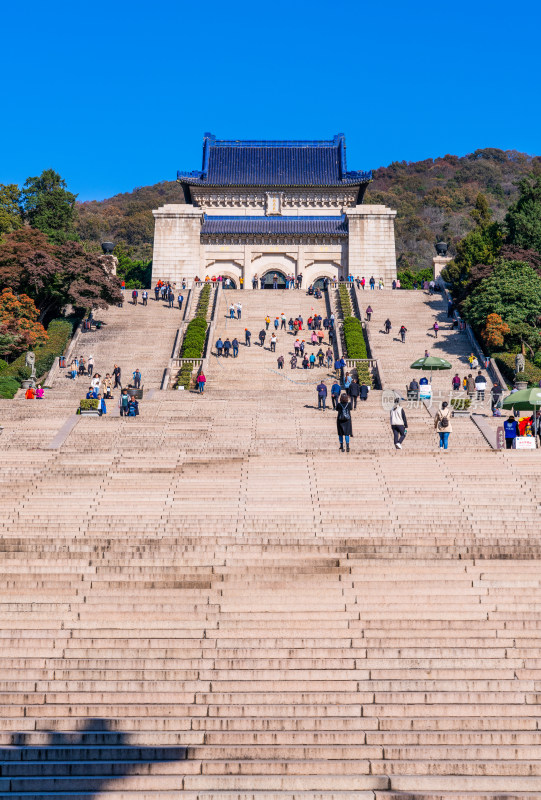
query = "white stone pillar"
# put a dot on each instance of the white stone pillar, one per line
(177, 234)
(439, 263)
(371, 244)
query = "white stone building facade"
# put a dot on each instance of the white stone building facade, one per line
(261, 208)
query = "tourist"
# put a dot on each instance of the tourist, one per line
(116, 375)
(456, 382)
(39, 392)
(510, 428)
(399, 424)
(480, 385)
(231, 311)
(107, 387)
(239, 310)
(388, 325)
(281, 361)
(254, 281)
(403, 330)
(30, 393)
(427, 354)
(227, 348)
(363, 283)
(320, 337)
(247, 338)
(137, 379)
(341, 366)
(320, 357)
(321, 395)
(354, 392)
(145, 297)
(157, 292)
(297, 347)
(133, 407)
(293, 362)
(450, 309)
(102, 408)
(276, 324)
(393, 285)
(442, 423)
(329, 357)
(335, 394)
(398, 284)
(219, 346)
(496, 399)
(312, 361)
(363, 390)
(301, 347)
(347, 382)
(180, 300)
(299, 280)
(96, 382)
(305, 362)
(313, 338)
(90, 394)
(431, 287)
(89, 365)
(201, 380)
(235, 346)
(291, 325)
(262, 335)
(470, 386)
(475, 363)
(369, 313)
(273, 341)
(267, 322)
(74, 366)
(436, 328)
(82, 366)
(372, 282)
(275, 281)
(134, 296)
(123, 403)
(262, 282)
(381, 285)
(343, 421)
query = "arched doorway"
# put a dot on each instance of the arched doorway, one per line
(320, 283)
(228, 282)
(267, 279)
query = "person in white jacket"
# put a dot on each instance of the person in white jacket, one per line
(399, 424)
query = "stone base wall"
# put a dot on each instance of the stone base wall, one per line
(179, 254)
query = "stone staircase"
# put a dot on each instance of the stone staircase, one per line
(212, 602)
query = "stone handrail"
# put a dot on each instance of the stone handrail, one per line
(178, 339)
(337, 338)
(377, 370)
(210, 336)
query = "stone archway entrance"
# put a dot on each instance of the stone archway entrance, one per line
(268, 279)
(319, 283)
(228, 282)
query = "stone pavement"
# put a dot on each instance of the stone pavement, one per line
(211, 601)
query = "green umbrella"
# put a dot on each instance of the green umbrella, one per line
(524, 399)
(431, 363)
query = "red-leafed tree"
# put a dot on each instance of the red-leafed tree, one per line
(19, 328)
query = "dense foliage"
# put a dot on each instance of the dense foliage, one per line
(137, 273)
(195, 335)
(19, 328)
(408, 277)
(48, 206)
(55, 275)
(506, 363)
(354, 338)
(10, 208)
(58, 335)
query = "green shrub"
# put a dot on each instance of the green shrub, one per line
(354, 338)
(8, 388)
(59, 332)
(460, 403)
(506, 363)
(407, 277)
(89, 404)
(345, 301)
(3, 364)
(184, 377)
(203, 302)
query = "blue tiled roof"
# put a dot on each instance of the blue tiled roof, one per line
(274, 163)
(265, 226)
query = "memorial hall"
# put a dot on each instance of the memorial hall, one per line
(265, 208)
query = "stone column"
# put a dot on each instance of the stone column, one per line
(371, 245)
(439, 263)
(177, 233)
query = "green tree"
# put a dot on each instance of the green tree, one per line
(513, 291)
(523, 220)
(10, 211)
(480, 246)
(136, 273)
(49, 207)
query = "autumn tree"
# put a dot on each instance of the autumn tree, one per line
(495, 331)
(19, 326)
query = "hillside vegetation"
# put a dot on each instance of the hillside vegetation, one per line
(433, 199)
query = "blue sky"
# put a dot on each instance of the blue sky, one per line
(117, 95)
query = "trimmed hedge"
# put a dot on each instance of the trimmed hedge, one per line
(184, 377)
(345, 301)
(203, 302)
(506, 363)
(8, 387)
(460, 403)
(354, 338)
(59, 333)
(89, 404)
(3, 364)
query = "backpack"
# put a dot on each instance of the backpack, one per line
(444, 422)
(343, 413)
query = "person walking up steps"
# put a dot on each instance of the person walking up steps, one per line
(267, 322)
(403, 331)
(283, 318)
(436, 328)
(388, 325)
(116, 375)
(442, 423)
(239, 310)
(247, 337)
(201, 380)
(399, 424)
(335, 394)
(321, 395)
(343, 421)
(281, 360)
(273, 341)
(369, 313)
(262, 336)
(235, 346)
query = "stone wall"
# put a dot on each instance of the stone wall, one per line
(371, 242)
(177, 233)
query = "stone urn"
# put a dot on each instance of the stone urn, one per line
(441, 248)
(521, 385)
(107, 247)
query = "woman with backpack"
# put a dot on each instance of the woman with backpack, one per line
(343, 421)
(442, 423)
(123, 403)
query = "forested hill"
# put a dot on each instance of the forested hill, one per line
(433, 199)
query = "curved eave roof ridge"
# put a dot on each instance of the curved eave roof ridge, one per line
(350, 180)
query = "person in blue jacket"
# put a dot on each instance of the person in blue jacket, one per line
(335, 393)
(510, 427)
